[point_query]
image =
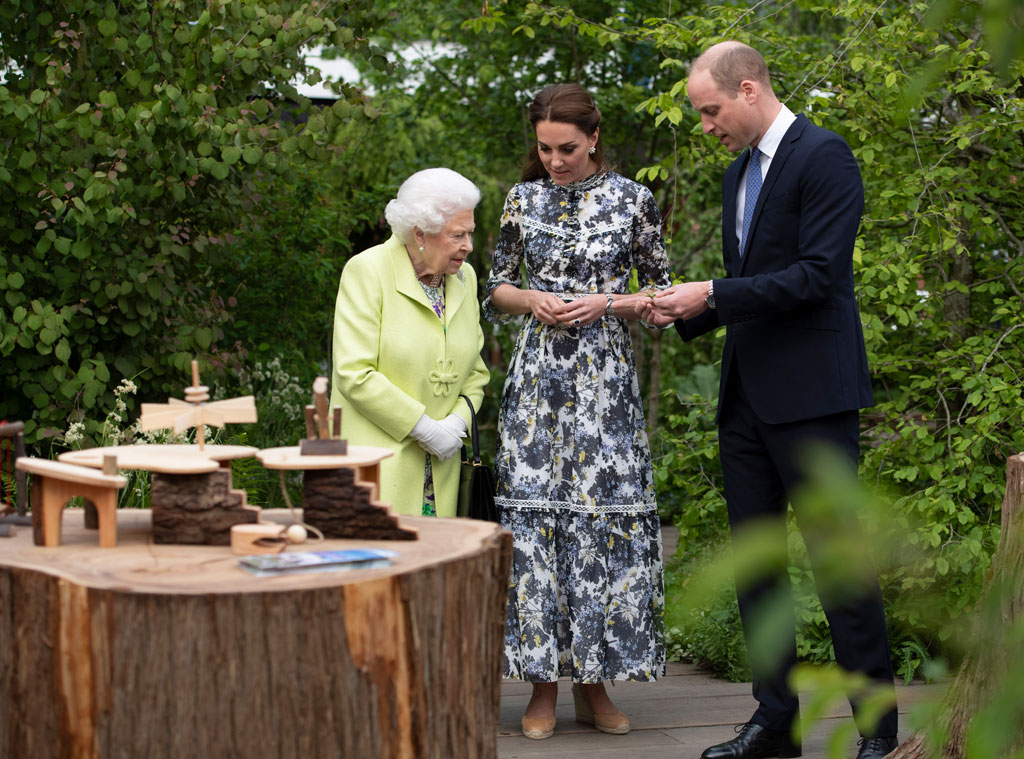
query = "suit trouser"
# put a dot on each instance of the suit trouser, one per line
(761, 468)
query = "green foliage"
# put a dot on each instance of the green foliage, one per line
(133, 138)
(685, 445)
(279, 275)
(280, 399)
(707, 634)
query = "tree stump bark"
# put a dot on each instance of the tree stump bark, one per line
(170, 651)
(985, 666)
(198, 508)
(340, 507)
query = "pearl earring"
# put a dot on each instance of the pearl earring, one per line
(593, 149)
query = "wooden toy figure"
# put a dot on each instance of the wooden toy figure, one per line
(319, 441)
(195, 412)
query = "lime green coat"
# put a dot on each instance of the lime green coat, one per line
(393, 362)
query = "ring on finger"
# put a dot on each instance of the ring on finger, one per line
(576, 322)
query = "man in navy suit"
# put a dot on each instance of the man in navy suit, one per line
(794, 369)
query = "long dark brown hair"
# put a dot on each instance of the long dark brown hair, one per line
(566, 104)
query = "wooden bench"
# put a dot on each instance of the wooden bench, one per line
(58, 482)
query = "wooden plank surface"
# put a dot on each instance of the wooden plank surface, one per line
(165, 459)
(139, 565)
(290, 457)
(678, 716)
(69, 472)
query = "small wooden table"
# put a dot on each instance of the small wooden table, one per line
(364, 459)
(172, 651)
(340, 493)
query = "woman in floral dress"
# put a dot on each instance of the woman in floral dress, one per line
(575, 484)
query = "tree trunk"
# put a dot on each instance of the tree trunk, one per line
(957, 305)
(984, 667)
(172, 651)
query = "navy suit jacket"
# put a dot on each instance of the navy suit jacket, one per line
(793, 331)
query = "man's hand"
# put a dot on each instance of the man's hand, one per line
(646, 310)
(682, 301)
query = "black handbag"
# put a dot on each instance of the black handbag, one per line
(476, 482)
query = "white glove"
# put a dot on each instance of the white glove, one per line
(435, 438)
(456, 425)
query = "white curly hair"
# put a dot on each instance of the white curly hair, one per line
(428, 199)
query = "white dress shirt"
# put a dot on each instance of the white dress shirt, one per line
(768, 145)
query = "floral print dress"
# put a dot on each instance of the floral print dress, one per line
(436, 297)
(575, 485)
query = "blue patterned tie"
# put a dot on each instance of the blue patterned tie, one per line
(753, 189)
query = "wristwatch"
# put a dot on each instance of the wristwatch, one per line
(608, 309)
(710, 297)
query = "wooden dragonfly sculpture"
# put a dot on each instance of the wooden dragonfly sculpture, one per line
(194, 411)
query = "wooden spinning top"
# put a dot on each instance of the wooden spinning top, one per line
(194, 411)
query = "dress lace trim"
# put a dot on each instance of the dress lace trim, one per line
(580, 234)
(577, 508)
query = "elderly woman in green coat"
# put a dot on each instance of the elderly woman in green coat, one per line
(407, 342)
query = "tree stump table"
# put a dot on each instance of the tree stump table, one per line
(173, 651)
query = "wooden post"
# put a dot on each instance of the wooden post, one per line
(986, 664)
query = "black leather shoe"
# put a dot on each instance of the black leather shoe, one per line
(876, 748)
(754, 742)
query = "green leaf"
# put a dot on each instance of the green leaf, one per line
(230, 154)
(203, 337)
(107, 27)
(37, 96)
(28, 157)
(252, 154)
(15, 280)
(63, 350)
(220, 170)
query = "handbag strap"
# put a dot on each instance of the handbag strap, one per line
(474, 433)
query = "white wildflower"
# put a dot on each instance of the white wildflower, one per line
(75, 433)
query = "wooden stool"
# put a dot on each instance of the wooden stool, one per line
(58, 482)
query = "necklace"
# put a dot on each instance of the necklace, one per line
(430, 280)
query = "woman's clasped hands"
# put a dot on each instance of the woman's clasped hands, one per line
(578, 312)
(441, 438)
